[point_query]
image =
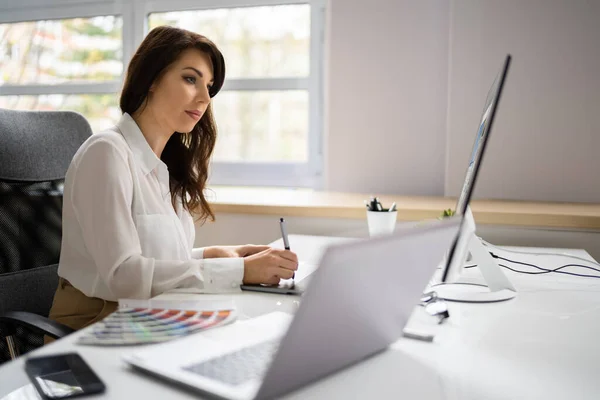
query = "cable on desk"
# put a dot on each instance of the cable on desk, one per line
(512, 269)
(546, 270)
(542, 270)
(524, 272)
(538, 254)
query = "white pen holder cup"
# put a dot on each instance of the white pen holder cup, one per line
(381, 222)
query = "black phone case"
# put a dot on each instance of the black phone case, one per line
(88, 379)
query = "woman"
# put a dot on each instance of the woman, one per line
(130, 191)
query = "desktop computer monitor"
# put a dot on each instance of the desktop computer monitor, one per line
(463, 244)
(481, 139)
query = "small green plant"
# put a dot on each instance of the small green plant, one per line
(447, 213)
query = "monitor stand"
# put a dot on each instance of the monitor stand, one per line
(497, 287)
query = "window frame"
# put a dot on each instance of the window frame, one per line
(135, 15)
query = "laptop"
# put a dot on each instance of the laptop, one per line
(358, 303)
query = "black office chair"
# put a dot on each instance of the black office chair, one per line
(36, 149)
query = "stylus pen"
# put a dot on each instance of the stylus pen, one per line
(286, 243)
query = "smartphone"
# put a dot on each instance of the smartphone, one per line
(62, 376)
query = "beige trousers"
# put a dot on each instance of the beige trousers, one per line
(76, 310)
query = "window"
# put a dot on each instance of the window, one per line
(72, 57)
(50, 64)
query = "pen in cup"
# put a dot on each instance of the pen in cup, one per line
(375, 205)
(378, 204)
(284, 236)
(372, 204)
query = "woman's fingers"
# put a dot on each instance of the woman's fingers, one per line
(287, 264)
(284, 258)
(288, 255)
(283, 273)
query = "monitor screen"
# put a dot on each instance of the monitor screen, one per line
(483, 133)
(481, 138)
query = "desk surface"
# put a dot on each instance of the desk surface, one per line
(541, 345)
(320, 204)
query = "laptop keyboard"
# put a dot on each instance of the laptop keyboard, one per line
(240, 366)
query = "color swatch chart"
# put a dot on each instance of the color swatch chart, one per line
(149, 325)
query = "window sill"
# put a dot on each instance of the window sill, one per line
(310, 203)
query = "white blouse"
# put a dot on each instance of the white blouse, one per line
(122, 238)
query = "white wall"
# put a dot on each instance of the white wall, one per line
(546, 136)
(398, 69)
(386, 91)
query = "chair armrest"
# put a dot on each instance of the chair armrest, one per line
(11, 319)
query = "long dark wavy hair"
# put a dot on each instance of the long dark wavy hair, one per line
(187, 155)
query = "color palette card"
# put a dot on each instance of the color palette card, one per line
(128, 326)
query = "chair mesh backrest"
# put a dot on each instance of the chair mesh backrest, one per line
(30, 225)
(31, 290)
(36, 149)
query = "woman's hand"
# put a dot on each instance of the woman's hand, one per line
(269, 265)
(233, 251)
(262, 264)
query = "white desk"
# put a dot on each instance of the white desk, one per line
(541, 345)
